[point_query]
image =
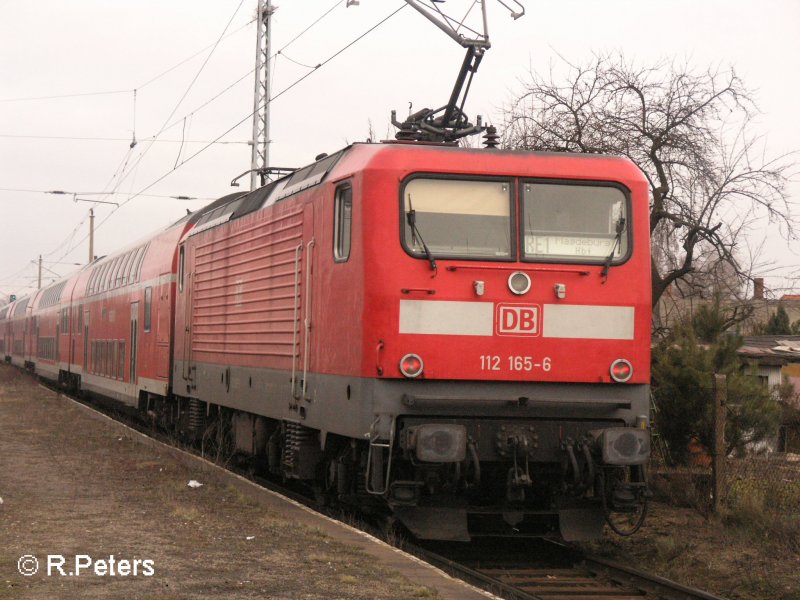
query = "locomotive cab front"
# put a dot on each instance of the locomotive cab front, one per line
(509, 325)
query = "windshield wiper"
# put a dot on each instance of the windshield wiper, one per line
(617, 240)
(411, 217)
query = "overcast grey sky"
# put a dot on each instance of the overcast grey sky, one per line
(80, 143)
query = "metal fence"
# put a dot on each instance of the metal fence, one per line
(770, 482)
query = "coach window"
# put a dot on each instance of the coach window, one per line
(148, 306)
(137, 259)
(342, 223)
(110, 274)
(129, 267)
(457, 218)
(122, 276)
(98, 285)
(95, 278)
(115, 278)
(104, 277)
(137, 270)
(575, 223)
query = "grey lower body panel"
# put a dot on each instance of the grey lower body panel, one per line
(349, 405)
(547, 418)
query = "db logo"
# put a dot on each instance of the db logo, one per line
(517, 319)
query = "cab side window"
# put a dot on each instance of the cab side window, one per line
(342, 223)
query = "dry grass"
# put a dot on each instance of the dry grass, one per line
(72, 485)
(736, 556)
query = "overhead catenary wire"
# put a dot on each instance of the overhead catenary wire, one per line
(153, 138)
(58, 96)
(120, 173)
(198, 53)
(124, 162)
(302, 33)
(217, 140)
(124, 175)
(70, 237)
(173, 197)
(114, 139)
(129, 90)
(249, 73)
(250, 115)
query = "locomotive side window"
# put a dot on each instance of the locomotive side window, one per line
(457, 218)
(342, 223)
(148, 307)
(181, 267)
(576, 223)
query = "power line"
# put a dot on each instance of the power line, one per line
(202, 68)
(249, 116)
(251, 71)
(275, 97)
(128, 91)
(154, 138)
(77, 95)
(199, 52)
(110, 139)
(63, 193)
(302, 33)
(210, 100)
(124, 176)
(217, 140)
(123, 164)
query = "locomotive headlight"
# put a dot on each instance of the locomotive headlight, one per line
(519, 283)
(625, 446)
(442, 443)
(411, 365)
(621, 370)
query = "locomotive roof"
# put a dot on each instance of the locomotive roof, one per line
(238, 204)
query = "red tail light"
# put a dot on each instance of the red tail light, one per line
(411, 366)
(621, 370)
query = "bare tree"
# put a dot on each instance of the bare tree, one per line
(688, 132)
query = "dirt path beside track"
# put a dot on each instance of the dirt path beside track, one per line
(71, 485)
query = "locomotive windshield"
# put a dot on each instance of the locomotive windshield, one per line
(573, 222)
(458, 218)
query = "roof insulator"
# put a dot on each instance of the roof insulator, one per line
(491, 139)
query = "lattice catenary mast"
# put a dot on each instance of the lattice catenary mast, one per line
(260, 142)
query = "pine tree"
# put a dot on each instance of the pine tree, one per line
(778, 324)
(684, 365)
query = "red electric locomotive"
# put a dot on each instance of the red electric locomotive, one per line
(458, 337)
(462, 336)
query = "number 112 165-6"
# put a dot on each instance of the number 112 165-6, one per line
(494, 362)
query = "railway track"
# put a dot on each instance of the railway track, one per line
(539, 569)
(516, 569)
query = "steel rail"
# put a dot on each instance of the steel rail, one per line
(653, 584)
(587, 577)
